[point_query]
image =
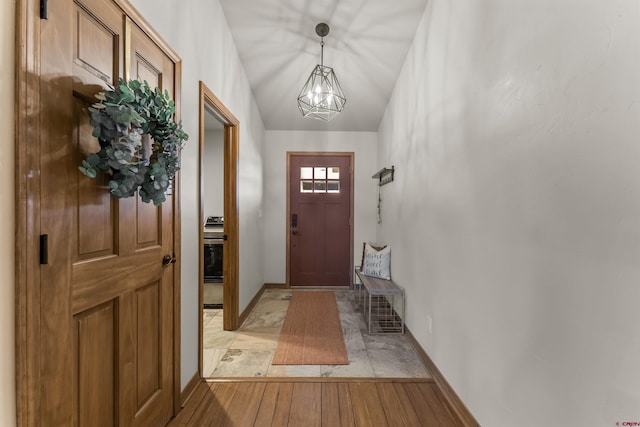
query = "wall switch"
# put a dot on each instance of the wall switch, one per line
(429, 324)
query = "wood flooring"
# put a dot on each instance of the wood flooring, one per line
(311, 402)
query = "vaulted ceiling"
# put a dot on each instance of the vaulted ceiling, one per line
(366, 47)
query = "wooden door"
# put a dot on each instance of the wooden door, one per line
(319, 219)
(106, 301)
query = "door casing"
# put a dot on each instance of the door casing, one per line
(290, 154)
(231, 246)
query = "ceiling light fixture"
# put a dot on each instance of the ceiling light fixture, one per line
(321, 97)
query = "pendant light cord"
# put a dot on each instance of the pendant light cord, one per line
(322, 51)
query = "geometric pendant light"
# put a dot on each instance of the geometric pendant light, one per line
(321, 96)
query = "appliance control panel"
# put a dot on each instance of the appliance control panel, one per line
(214, 221)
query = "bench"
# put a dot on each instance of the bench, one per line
(377, 298)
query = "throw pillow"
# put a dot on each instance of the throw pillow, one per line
(377, 262)
(364, 247)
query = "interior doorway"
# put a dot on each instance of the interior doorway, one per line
(213, 202)
(215, 117)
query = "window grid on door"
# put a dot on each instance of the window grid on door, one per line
(319, 179)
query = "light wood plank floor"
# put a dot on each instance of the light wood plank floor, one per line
(308, 402)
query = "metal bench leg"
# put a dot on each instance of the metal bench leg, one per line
(403, 309)
(369, 322)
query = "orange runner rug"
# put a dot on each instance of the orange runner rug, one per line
(311, 333)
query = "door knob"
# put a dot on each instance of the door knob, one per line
(168, 259)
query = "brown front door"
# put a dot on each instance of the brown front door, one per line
(319, 219)
(106, 300)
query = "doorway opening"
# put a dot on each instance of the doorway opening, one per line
(218, 211)
(213, 203)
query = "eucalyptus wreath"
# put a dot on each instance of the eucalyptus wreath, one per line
(120, 118)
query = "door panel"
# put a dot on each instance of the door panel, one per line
(97, 231)
(95, 399)
(320, 198)
(145, 71)
(309, 234)
(107, 300)
(148, 349)
(94, 39)
(97, 46)
(336, 256)
(148, 224)
(149, 63)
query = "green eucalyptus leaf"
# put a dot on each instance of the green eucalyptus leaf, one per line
(92, 159)
(88, 171)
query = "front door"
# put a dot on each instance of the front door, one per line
(319, 219)
(106, 300)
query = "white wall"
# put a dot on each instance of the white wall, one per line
(7, 219)
(276, 145)
(515, 215)
(200, 35)
(213, 173)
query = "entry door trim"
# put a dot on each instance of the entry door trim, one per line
(351, 156)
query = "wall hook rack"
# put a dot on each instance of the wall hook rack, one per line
(384, 176)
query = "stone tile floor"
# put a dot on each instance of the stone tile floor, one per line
(247, 352)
